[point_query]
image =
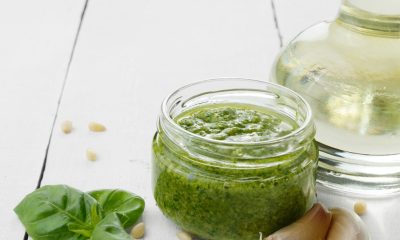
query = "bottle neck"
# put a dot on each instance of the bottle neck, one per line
(377, 17)
(378, 7)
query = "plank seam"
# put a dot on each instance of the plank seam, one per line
(43, 169)
(61, 95)
(278, 30)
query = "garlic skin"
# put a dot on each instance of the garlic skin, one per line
(314, 225)
(321, 224)
(346, 225)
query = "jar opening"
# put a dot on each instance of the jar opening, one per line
(239, 91)
(285, 151)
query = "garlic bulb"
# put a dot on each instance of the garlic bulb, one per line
(313, 225)
(346, 225)
(319, 224)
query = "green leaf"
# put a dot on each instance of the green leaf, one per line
(128, 206)
(110, 228)
(58, 212)
(77, 228)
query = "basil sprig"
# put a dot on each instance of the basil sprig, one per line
(65, 213)
(110, 228)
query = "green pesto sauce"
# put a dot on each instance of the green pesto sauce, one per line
(232, 204)
(236, 123)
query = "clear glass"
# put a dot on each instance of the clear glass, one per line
(224, 190)
(349, 72)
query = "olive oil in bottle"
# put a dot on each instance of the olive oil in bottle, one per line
(349, 72)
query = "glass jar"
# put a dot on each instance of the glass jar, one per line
(349, 72)
(216, 189)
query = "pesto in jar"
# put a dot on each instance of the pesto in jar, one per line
(235, 123)
(225, 190)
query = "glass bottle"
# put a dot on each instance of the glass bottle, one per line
(349, 72)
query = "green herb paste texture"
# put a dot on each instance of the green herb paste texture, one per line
(230, 204)
(239, 123)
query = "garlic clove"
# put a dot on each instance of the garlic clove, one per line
(314, 225)
(346, 225)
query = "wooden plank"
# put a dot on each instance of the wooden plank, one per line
(129, 56)
(35, 45)
(294, 16)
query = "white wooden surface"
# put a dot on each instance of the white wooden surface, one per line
(129, 55)
(35, 44)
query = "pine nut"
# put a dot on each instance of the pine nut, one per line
(66, 127)
(360, 207)
(138, 231)
(91, 155)
(96, 127)
(183, 236)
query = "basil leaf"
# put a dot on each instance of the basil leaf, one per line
(110, 228)
(59, 212)
(128, 206)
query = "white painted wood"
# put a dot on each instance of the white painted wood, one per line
(294, 16)
(130, 55)
(35, 44)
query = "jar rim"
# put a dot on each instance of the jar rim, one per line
(298, 131)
